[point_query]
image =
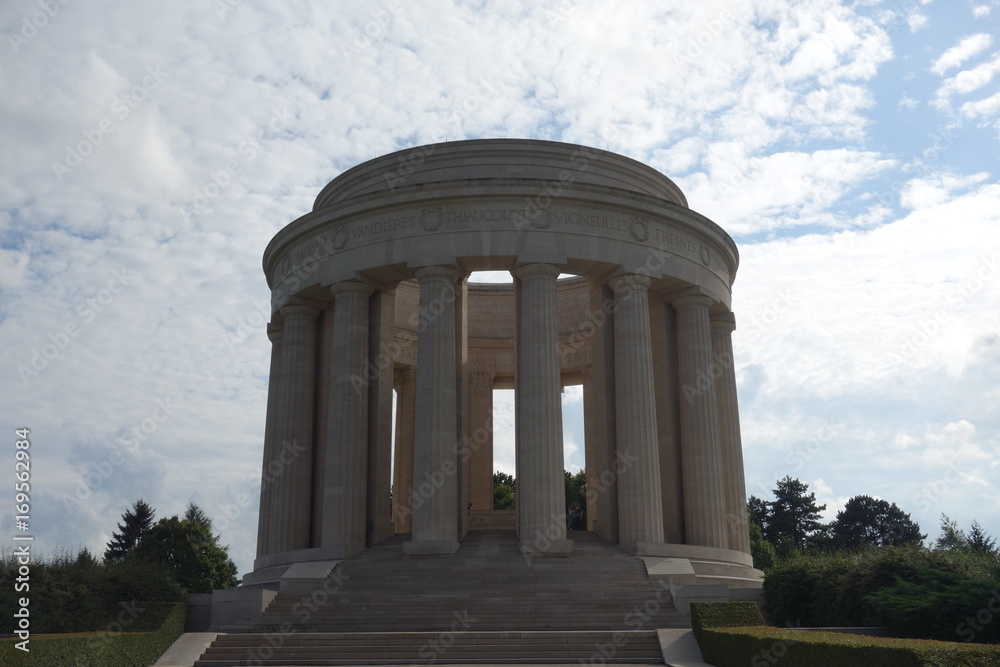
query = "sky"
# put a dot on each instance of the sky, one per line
(151, 150)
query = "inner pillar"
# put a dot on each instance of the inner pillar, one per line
(379, 378)
(435, 467)
(402, 480)
(541, 498)
(481, 441)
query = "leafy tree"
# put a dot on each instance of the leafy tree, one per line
(952, 537)
(576, 488)
(576, 497)
(191, 553)
(135, 525)
(979, 541)
(872, 521)
(794, 515)
(504, 491)
(762, 551)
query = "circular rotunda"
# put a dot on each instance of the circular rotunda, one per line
(371, 302)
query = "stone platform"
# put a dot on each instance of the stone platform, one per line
(488, 603)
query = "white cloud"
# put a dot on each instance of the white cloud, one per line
(766, 115)
(966, 81)
(981, 11)
(983, 108)
(958, 54)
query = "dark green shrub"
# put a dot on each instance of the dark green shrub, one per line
(101, 649)
(834, 589)
(941, 605)
(764, 647)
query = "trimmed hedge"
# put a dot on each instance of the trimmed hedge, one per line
(837, 589)
(765, 646)
(112, 648)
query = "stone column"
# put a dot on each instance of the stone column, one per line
(402, 480)
(293, 487)
(640, 520)
(345, 477)
(481, 441)
(599, 414)
(541, 495)
(592, 453)
(435, 467)
(704, 498)
(663, 328)
(724, 372)
(379, 376)
(272, 465)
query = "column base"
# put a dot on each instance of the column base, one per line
(551, 548)
(430, 548)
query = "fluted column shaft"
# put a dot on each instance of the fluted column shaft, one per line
(541, 496)
(402, 472)
(272, 465)
(346, 463)
(293, 487)
(724, 373)
(704, 496)
(481, 441)
(435, 469)
(639, 497)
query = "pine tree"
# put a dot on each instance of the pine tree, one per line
(952, 537)
(979, 541)
(794, 514)
(136, 523)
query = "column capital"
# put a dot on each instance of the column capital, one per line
(274, 332)
(352, 287)
(537, 269)
(723, 322)
(298, 310)
(693, 301)
(481, 382)
(629, 281)
(449, 273)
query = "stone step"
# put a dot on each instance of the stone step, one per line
(604, 647)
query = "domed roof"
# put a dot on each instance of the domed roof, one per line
(499, 159)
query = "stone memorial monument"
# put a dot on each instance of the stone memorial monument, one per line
(371, 296)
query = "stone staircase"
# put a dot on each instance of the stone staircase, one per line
(486, 604)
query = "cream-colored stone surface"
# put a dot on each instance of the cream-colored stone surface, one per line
(372, 302)
(346, 443)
